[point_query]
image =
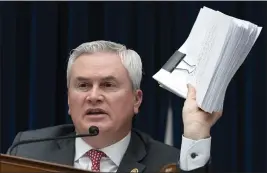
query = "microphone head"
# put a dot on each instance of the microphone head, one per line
(93, 130)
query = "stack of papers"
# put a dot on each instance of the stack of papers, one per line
(216, 47)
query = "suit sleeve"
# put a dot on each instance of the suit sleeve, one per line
(17, 139)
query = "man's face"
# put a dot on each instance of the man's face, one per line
(101, 94)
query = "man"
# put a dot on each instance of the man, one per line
(103, 80)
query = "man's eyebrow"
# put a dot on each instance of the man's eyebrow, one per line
(109, 78)
(80, 78)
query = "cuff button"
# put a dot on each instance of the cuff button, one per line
(193, 155)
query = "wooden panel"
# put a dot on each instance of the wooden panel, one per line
(18, 164)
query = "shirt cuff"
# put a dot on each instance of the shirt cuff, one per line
(194, 154)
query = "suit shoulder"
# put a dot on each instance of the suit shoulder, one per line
(155, 146)
(51, 131)
(158, 154)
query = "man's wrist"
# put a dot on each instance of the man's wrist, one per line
(196, 132)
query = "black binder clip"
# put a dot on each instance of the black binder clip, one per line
(176, 59)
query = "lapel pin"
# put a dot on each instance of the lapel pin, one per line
(135, 170)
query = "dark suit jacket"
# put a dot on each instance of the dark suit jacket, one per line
(143, 153)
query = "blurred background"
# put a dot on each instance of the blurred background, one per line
(36, 38)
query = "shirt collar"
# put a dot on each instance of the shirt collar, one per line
(115, 151)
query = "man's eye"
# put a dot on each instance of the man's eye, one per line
(108, 84)
(82, 85)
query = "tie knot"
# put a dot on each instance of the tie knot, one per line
(95, 155)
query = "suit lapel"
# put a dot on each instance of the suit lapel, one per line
(64, 152)
(134, 154)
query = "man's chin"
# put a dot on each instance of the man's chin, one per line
(101, 127)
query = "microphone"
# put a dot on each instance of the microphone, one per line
(93, 131)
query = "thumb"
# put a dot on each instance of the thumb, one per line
(191, 93)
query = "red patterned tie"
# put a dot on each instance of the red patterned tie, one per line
(95, 156)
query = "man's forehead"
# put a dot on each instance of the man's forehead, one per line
(92, 68)
(99, 56)
(97, 63)
(85, 78)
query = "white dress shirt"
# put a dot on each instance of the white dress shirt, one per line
(193, 154)
(111, 163)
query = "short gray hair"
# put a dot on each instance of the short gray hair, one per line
(129, 58)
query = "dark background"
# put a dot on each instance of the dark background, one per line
(36, 38)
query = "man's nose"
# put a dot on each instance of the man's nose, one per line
(95, 95)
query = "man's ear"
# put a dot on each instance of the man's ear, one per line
(68, 103)
(138, 100)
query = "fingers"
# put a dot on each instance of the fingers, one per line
(191, 94)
